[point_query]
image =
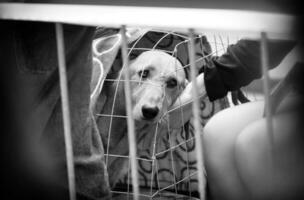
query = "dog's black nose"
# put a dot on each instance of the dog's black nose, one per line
(149, 112)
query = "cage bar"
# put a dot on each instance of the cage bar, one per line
(223, 20)
(65, 110)
(130, 119)
(196, 117)
(266, 90)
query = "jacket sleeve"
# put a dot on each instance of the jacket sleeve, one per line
(241, 64)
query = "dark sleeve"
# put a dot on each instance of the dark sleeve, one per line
(241, 64)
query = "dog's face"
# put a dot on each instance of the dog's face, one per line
(157, 79)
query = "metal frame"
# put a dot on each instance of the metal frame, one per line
(180, 19)
(130, 119)
(196, 118)
(65, 110)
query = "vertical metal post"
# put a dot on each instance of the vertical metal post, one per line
(65, 110)
(266, 89)
(130, 121)
(196, 117)
(215, 43)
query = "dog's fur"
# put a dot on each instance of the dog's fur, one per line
(163, 84)
(157, 79)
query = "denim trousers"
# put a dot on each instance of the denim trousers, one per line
(34, 139)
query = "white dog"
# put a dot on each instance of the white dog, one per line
(157, 80)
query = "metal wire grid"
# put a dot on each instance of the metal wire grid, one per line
(220, 46)
(132, 135)
(67, 126)
(171, 148)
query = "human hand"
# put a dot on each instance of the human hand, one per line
(181, 111)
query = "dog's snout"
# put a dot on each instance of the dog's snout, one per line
(149, 112)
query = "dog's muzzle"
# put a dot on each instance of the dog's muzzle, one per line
(149, 112)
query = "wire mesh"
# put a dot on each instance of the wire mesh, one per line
(162, 149)
(193, 181)
(158, 155)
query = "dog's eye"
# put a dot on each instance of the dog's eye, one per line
(143, 74)
(171, 83)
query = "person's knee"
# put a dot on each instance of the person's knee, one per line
(271, 169)
(223, 128)
(219, 138)
(252, 159)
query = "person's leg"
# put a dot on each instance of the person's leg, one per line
(220, 134)
(30, 74)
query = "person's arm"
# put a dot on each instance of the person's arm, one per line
(184, 103)
(241, 64)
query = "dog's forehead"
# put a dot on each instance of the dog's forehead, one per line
(159, 61)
